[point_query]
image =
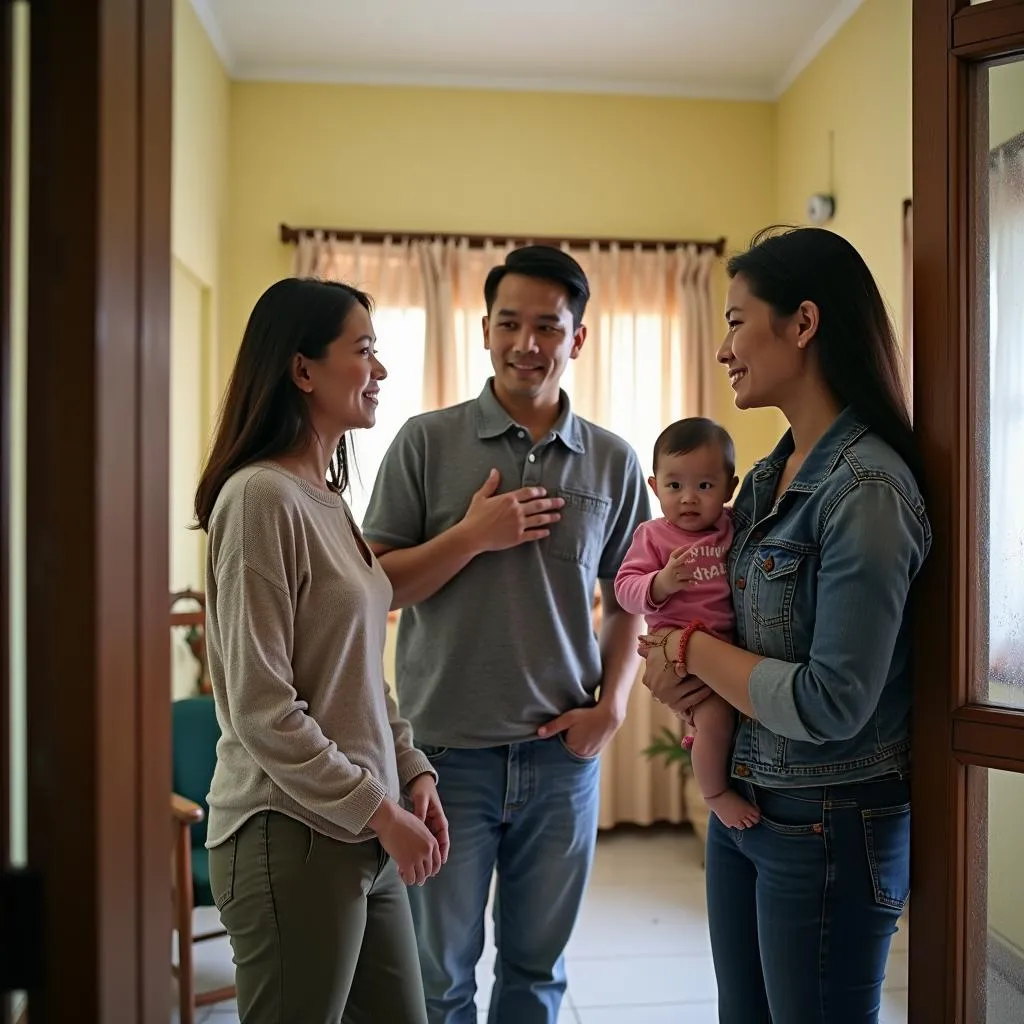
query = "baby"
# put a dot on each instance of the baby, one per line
(675, 573)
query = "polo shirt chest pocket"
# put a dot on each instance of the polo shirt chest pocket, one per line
(578, 536)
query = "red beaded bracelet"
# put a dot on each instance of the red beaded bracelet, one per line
(694, 627)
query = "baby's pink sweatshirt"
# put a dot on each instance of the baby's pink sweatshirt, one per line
(708, 598)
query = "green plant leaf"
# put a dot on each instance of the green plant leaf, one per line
(668, 746)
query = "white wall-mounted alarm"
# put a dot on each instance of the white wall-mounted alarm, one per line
(821, 208)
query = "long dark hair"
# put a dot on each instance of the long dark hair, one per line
(856, 340)
(264, 414)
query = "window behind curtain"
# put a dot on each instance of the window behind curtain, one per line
(629, 402)
(645, 362)
(1006, 440)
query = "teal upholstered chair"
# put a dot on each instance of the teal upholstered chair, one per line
(194, 753)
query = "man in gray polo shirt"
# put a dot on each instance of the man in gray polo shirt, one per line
(494, 520)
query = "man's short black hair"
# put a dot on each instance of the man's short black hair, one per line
(549, 264)
(695, 432)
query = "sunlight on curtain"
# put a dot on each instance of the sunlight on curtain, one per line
(400, 347)
(649, 345)
(635, 362)
(645, 363)
(392, 274)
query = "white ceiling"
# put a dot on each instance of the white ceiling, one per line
(732, 49)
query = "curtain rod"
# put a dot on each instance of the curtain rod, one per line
(291, 236)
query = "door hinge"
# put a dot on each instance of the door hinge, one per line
(21, 930)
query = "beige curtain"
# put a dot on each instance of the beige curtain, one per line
(650, 343)
(647, 361)
(390, 271)
(457, 363)
(393, 272)
(650, 346)
(634, 789)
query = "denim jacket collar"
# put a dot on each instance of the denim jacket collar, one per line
(821, 460)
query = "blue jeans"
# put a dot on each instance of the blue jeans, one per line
(803, 906)
(530, 811)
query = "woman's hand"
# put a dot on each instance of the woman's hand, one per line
(681, 695)
(408, 842)
(660, 639)
(426, 805)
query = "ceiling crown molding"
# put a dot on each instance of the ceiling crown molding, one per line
(426, 80)
(688, 90)
(816, 44)
(204, 11)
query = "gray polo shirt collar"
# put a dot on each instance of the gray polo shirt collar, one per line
(493, 421)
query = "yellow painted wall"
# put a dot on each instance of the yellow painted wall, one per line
(201, 118)
(1006, 848)
(202, 98)
(1005, 101)
(491, 162)
(858, 88)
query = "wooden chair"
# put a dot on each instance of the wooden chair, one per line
(194, 622)
(194, 753)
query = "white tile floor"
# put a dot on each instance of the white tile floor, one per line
(640, 954)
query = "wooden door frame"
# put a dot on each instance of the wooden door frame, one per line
(951, 732)
(6, 89)
(98, 643)
(6, 169)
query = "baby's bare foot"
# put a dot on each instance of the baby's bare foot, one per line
(733, 811)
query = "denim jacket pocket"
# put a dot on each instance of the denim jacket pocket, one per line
(887, 841)
(776, 579)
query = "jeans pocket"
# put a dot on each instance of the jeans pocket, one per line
(813, 829)
(572, 753)
(887, 842)
(787, 814)
(433, 754)
(222, 872)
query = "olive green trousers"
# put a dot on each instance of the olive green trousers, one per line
(321, 930)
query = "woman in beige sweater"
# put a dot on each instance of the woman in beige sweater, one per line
(309, 844)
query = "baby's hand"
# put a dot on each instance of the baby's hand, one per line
(675, 576)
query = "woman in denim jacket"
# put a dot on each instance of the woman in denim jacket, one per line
(830, 531)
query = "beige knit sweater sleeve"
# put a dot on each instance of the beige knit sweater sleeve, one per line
(411, 761)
